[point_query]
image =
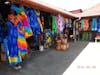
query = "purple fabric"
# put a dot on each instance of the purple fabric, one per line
(60, 21)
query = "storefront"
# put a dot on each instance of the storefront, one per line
(31, 25)
(88, 25)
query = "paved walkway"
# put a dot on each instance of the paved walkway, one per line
(87, 63)
(49, 62)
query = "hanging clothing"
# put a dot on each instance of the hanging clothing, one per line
(33, 21)
(24, 20)
(86, 24)
(42, 19)
(21, 42)
(94, 24)
(76, 25)
(11, 44)
(76, 28)
(2, 30)
(98, 24)
(65, 25)
(41, 26)
(59, 20)
(54, 25)
(70, 23)
(67, 22)
(82, 24)
(84, 36)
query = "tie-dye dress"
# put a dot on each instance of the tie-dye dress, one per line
(11, 44)
(16, 45)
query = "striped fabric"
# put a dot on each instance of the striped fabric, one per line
(21, 41)
(14, 60)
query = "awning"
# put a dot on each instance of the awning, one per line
(39, 4)
(91, 12)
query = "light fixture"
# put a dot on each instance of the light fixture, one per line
(7, 2)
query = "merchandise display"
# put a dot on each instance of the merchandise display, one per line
(25, 25)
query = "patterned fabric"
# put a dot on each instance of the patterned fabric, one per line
(21, 41)
(34, 21)
(27, 28)
(59, 20)
(11, 44)
(25, 23)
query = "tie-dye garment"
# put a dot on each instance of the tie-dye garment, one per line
(21, 41)
(33, 21)
(59, 20)
(11, 44)
(25, 23)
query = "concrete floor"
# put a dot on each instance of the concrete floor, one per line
(49, 62)
(88, 61)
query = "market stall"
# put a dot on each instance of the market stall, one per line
(90, 23)
(31, 22)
